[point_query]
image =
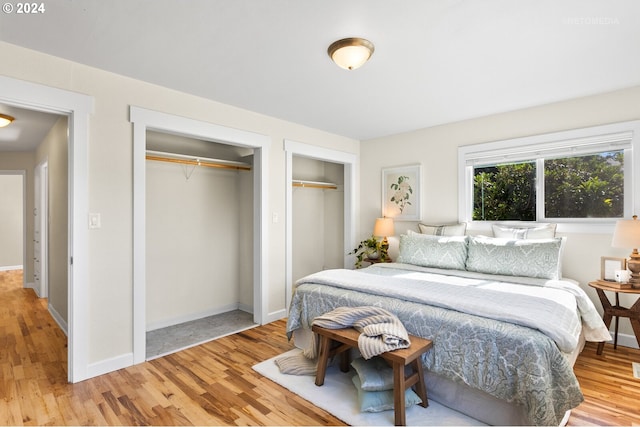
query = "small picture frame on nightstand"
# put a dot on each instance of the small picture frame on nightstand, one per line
(609, 266)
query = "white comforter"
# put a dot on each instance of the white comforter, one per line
(558, 308)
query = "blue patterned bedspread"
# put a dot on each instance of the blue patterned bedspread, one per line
(508, 361)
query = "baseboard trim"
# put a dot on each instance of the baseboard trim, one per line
(31, 285)
(58, 319)
(109, 365)
(11, 267)
(626, 340)
(152, 326)
(276, 315)
(245, 307)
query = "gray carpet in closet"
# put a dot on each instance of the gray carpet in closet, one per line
(168, 340)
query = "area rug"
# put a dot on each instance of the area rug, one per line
(339, 397)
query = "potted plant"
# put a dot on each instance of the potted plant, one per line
(369, 249)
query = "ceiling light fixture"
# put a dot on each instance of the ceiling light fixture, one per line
(5, 120)
(351, 53)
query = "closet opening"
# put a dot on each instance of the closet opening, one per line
(218, 142)
(321, 204)
(199, 241)
(318, 216)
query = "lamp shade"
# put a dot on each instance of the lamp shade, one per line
(383, 227)
(627, 233)
(350, 53)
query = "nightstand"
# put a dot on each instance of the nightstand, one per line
(377, 260)
(611, 311)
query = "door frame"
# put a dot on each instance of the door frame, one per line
(143, 120)
(78, 108)
(349, 161)
(41, 203)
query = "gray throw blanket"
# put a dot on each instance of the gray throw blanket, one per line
(380, 331)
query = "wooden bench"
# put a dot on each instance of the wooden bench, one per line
(398, 359)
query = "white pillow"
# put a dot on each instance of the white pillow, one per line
(444, 230)
(538, 231)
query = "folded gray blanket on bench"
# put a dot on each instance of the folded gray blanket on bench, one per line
(380, 330)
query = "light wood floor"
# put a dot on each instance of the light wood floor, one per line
(212, 384)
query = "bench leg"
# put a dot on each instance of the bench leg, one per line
(323, 359)
(421, 389)
(345, 360)
(398, 394)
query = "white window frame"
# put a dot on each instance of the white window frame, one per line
(616, 136)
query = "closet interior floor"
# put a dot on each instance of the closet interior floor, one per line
(168, 340)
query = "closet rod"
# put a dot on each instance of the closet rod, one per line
(314, 184)
(196, 161)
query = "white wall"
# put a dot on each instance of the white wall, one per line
(11, 221)
(55, 148)
(110, 180)
(334, 217)
(436, 149)
(194, 254)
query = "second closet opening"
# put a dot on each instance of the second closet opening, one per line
(318, 216)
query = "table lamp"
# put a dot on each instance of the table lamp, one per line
(627, 235)
(383, 228)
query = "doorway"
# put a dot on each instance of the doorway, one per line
(77, 107)
(12, 219)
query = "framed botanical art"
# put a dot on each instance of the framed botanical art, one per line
(401, 193)
(609, 266)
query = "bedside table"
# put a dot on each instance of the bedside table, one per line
(611, 311)
(376, 261)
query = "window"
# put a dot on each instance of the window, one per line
(504, 192)
(587, 186)
(590, 186)
(582, 176)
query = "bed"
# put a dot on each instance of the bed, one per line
(506, 326)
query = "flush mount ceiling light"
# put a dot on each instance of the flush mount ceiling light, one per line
(5, 120)
(350, 53)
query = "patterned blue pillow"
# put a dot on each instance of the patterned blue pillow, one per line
(448, 252)
(539, 258)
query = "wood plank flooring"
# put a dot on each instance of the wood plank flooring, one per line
(212, 384)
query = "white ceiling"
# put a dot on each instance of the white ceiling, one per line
(27, 131)
(435, 61)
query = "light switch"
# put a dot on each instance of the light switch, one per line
(274, 217)
(94, 220)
